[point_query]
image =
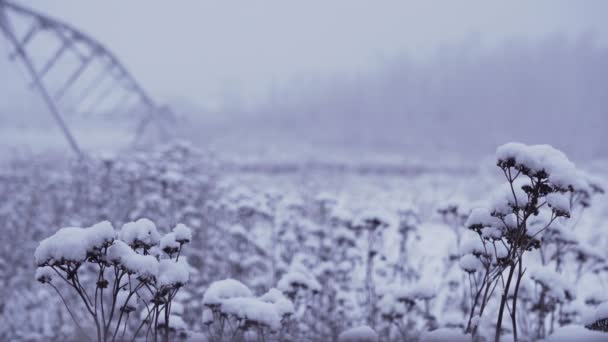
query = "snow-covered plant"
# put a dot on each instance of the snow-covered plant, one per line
(321, 267)
(290, 230)
(552, 291)
(371, 223)
(115, 273)
(299, 286)
(405, 310)
(408, 223)
(539, 180)
(559, 248)
(454, 215)
(39, 192)
(233, 313)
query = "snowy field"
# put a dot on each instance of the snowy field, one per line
(332, 171)
(300, 255)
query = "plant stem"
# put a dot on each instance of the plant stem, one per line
(520, 275)
(503, 302)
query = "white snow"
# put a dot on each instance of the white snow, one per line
(536, 224)
(601, 312)
(555, 282)
(359, 334)
(445, 335)
(283, 305)
(390, 306)
(177, 307)
(559, 202)
(559, 231)
(423, 290)
(400, 293)
(341, 213)
(252, 309)
(72, 244)
(238, 230)
(121, 300)
(345, 235)
(491, 233)
(175, 322)
(183, 234)
(471, 244)
(475, 320)
(142, 265)
(169, 243)
(500, 252)
(45, 274)
(597, 296)
(590, 251)
(384, 217)
(207, 316)
(571, 333)
(142, 231)
(221, 290)
(453, 319)
(172, 273)
(294, 279)
(503, 200)
(482, 217)
(470, 263)
(562, 172)
(325, 196)
(587, 316)
(492, 227)
(573, 308)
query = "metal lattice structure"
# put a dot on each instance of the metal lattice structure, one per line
(111, 87)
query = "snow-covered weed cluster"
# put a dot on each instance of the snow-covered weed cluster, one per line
(233, 313)
(380, 259)
(126, 280)
(39, 194)
(527, 216)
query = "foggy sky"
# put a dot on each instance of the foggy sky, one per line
(345, 73)
(209, 52)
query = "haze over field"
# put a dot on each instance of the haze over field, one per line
(451, 75)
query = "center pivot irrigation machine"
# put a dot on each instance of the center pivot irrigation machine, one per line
(94, 83)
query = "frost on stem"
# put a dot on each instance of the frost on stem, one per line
(116, 273)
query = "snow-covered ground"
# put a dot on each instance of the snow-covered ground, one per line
(310, 254)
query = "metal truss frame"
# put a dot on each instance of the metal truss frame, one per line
(70, 38)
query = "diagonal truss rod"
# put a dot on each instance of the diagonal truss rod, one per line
(20, 52)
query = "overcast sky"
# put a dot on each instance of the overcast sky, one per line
(204, 51)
